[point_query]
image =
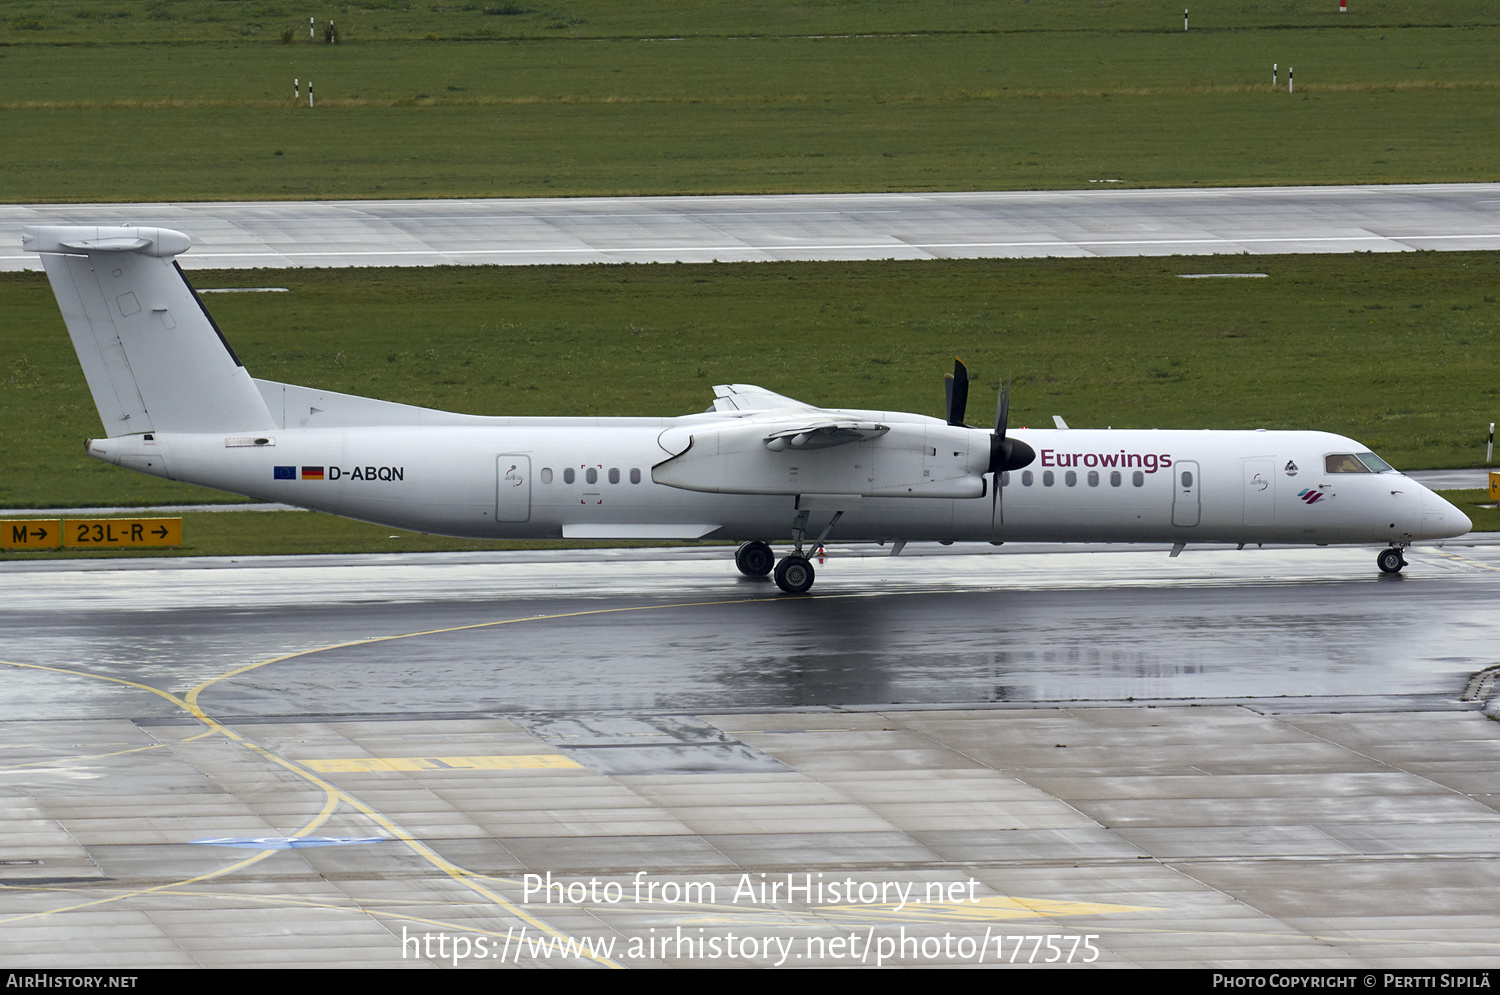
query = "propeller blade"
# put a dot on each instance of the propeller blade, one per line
(956, 388)
(997, 449)
(997, 510)
(1007, 454)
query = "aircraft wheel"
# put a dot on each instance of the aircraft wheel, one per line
(794, 574)
(754, 559)
(1390, 561)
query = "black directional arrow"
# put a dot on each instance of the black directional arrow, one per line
(160, 532)
(41, 533)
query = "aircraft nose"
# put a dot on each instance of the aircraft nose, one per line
(1440, 519)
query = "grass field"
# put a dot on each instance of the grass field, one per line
(73, 21)
(1398, 351)
(185, 21)
(655, 99)
(192, 99)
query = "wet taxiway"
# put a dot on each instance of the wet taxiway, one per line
(1260, 758)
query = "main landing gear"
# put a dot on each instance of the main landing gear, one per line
(754, 559)
(794, 574)
(1390, 560)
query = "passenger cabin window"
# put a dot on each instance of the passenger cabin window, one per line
(1114, 478)
(635, 475)
(591, 475)
(1093, 478)
(546, 475)
(1026, 478)
(568, 475)
(1343, 463)
(1047, 478)
(1187, 478)
(1070, 478)
(1138, 479)
(614, 475)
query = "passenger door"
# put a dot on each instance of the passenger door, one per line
(512, 488)
(1186, 507)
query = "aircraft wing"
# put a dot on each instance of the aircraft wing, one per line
(748, 397)
(819, 452)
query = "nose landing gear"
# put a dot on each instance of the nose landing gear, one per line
(1390, 560)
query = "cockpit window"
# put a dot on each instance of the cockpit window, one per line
(1343, 463)
(1375, 463)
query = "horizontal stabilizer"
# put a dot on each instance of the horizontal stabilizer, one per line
(163, 243)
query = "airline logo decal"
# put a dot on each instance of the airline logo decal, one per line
(339, 473)
(1309, 496)
(1150, 462)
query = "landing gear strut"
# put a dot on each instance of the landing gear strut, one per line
(754, 559)
(794, 574)
(1390, 560)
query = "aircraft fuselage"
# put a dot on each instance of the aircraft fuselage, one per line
(593, 478)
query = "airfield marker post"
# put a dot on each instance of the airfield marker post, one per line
(311, 23)
(1184, 18)
(1273, 75)
(296, 88)
(1489, 447)
(1288, 79)
(309, 93)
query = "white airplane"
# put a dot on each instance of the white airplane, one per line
(177, 403)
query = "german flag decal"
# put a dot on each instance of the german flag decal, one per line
(312, 473)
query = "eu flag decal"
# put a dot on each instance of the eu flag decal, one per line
(285, 473)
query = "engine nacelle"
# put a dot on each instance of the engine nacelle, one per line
(905, 460)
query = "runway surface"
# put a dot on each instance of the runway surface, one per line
(1267, 757)
(1255, 220)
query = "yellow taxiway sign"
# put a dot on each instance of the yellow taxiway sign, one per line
(85, 533)
(31, 533)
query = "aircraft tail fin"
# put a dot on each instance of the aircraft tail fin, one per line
(154, 359)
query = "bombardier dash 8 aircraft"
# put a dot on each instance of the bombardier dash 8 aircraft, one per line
(177, 403)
